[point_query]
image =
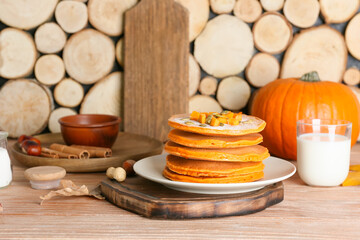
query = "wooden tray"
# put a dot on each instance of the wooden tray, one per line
(127, 146)
(153, 200)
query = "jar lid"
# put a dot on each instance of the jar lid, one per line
(45, 173)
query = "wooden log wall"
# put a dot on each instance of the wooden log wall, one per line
(287, 39)
(70, 52)
(59, 58)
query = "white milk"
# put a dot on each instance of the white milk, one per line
(5, 168)
(323, 160)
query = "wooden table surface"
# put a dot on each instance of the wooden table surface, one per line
(306, 213)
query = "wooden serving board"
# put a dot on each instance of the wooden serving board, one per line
(153, 200)
(156, 71)
(127, 146)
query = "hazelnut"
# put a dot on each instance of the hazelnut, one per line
(128, 166)
(119, 174)
(110, 172)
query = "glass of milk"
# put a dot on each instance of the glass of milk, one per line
(323, 151)
(5, 164)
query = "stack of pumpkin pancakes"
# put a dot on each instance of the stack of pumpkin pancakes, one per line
(211, 152)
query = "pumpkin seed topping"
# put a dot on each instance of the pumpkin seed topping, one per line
(214, 119)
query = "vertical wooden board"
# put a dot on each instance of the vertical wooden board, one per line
(155, 66)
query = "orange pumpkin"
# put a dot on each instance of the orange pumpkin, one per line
(284, 101)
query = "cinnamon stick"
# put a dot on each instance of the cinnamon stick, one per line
(43, 154)
(82, 154)
(95, 151)
(57, 154)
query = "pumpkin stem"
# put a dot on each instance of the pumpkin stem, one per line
(310, 77)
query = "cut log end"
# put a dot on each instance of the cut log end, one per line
(338, 11)
(262, 69)
(49, 69)
(50, 94)
(202, 103)
(88, 56)
(233, 93)
(72, 16)
(194, 75)
(107, 16)
(248, 10)
(68, 93)
(302, 13)
(229, 54)
(208, 85)
(54, 125)
(50, 38)
(104, 97)
(272, 5)
(352, 76)
(352, 36)
(316, 42)
(264, 29)
(26, 14)
(17, 117)
(199, 12)
(17, 53)
(222, 6)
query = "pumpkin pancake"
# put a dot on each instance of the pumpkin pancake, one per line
(254, 153)
(201, 141)
(248, 124)
(229, 179)
(200, 168)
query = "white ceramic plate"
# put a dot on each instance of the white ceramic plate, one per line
(276, 170)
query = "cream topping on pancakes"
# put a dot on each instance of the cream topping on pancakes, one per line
(247, 122)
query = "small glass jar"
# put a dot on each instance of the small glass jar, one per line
(5, 163)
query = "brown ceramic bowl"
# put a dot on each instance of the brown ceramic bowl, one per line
(90, 129)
